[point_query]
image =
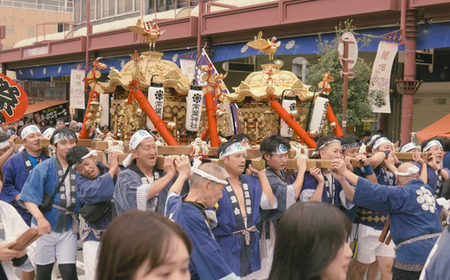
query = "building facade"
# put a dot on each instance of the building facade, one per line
(225, 26)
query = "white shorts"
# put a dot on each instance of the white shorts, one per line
(266, 264)
(90, 258)
(56, 246)
(369, 247)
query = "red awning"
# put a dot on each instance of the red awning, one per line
(42, 105)
(439, 128)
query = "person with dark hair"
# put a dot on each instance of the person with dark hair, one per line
(409, 147)
(207, 184)
(275, 150)
(311, 243)
(320, 185)
(238, 211)
(242, 138)
(18, 167)
(95, 188)
(143, 186)
(371, 222)
(60, 123)
(140, 245)
(6, 129)
(437, 174)
(350, 145)
(59, 224)
(412, 209)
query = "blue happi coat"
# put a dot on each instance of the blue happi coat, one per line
(242, 258)
(434, 180)
(91, 191)
(336, 192)
(132, 187)
(15, 173)
(206, 261)
(44, 178)
(284, 194)
(413, 212)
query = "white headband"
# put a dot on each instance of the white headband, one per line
(281, 150)
(135, 140)
(411, 171)
(60, 136)
(92, 152)
(28, 130)
(380, 141)
(47, 134)
(432, 143)
(4, 144)
(328, 143)
(408, 147)
(208, 176)
(234, 148)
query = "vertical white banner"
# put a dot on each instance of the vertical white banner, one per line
(77, 89)
(188, 67)
(381, 76)
(104, 101)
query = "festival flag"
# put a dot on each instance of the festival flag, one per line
(13, 100)
(230, 109)
(381, 76)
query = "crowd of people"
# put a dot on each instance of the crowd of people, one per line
(193, 220)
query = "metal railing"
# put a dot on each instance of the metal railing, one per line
(47, 5)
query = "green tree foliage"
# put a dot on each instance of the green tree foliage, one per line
(358, 107)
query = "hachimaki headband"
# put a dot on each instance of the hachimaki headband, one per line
(431, 144)
(328, 143)
(380, 141)
(234, 148)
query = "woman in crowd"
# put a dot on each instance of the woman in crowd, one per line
(140, 245)
(311, 243)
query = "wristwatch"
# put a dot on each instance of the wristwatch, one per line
(439, 171)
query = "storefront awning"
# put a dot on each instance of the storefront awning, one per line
(431, 36)
(45, 72)
(438, 128)
(32, 108)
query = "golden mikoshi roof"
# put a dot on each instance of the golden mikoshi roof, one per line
(257, 83)
(149, 65)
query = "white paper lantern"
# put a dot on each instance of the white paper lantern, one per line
(156, 99)
(319, 114)
(290, 105)
(194, 101)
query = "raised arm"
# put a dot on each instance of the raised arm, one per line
(159, 184)
(301, 169)
(337, 168)
(377, 159)
(424, 172)
(265, 185)
(9, 152)
(368, 170)
(317, 173)
(183, 167)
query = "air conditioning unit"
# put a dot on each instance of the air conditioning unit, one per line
(238, 67)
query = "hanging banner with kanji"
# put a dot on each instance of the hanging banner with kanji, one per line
(13, 100)
(381, 76)
(77, 89)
